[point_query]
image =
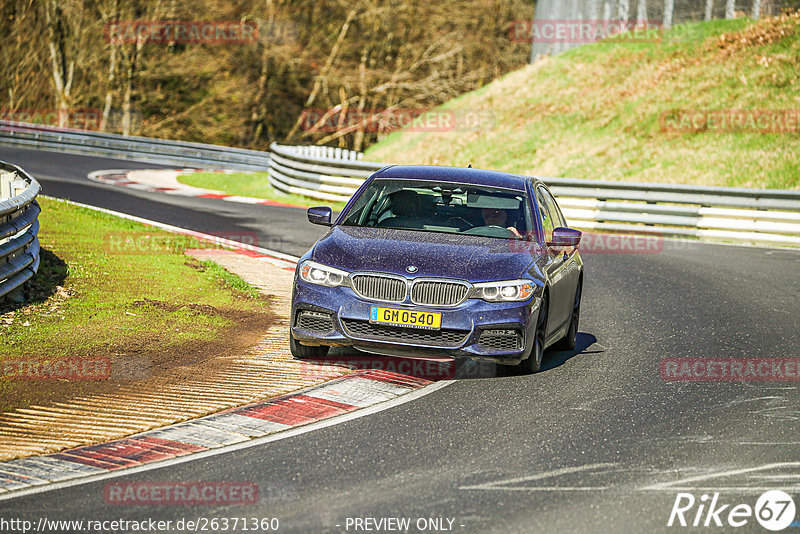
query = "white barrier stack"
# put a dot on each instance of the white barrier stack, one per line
(19, 226)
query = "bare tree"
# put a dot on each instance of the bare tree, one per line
(624, 10)
(367, 58)
(109, 16)
(63, 32)
(321, 77)
(730, 9)
(756, 9)
(641, 11)
(669, 6)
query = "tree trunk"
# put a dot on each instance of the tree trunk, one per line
(756, 9)
(641, 11)
(624, 10)
(62, 67)
(112, 69)
(730, 9)
(669, 6)
(127, 96)
(320, 80)
(358, 138)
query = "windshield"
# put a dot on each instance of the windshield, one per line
(440, 207)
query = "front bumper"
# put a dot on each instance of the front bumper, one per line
(477, 329)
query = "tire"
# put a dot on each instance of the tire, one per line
(569, 340)
(533, 363)
(302, 352)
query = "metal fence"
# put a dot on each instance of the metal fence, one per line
(146, 149)
(764, 216)
(661, 13)
(19, 226)
(318, 172)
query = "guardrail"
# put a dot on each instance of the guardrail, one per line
(147, 149)
(765, 216)
(318, 172)
(19, 226)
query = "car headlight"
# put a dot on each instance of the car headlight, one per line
(504, 291)
(316, 273)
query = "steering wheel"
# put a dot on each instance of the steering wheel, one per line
(502, 228)
(457, 218)
(507, 232)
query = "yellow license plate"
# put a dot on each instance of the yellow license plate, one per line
(414, 319)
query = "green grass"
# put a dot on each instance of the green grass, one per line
(254, 184)
(113, 272)
(594, 112)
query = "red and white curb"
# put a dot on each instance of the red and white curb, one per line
(214, 434)
(355, 395)
(165, 181)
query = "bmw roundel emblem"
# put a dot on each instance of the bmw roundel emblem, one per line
(411, 268)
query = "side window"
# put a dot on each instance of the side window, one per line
(547, 221)
(558, 218)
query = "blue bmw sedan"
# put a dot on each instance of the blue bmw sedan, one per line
(433, 261)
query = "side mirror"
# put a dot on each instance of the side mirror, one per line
(565, 237)
(319, 215)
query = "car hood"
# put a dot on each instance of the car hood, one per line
(472, 258)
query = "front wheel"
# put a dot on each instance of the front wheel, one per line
(533, 364)
(302, 352)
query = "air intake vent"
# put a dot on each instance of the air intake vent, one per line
(435, 293)
(380, 287)
(505, 340)
(317, 321)
(393, 334)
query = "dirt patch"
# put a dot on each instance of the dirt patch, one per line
(205, 309)
(145, 358)
(770, 30)
(139, 357)
(151, 386)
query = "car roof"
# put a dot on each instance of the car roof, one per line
(459, 175)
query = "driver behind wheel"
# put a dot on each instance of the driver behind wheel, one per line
(498, 217)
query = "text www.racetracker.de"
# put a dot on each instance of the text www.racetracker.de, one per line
(199, 524)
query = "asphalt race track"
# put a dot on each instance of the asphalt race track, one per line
(64, 176)
(596, 442)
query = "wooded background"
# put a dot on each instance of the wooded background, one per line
(330, 55)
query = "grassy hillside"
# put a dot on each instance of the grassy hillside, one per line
(595, 111)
